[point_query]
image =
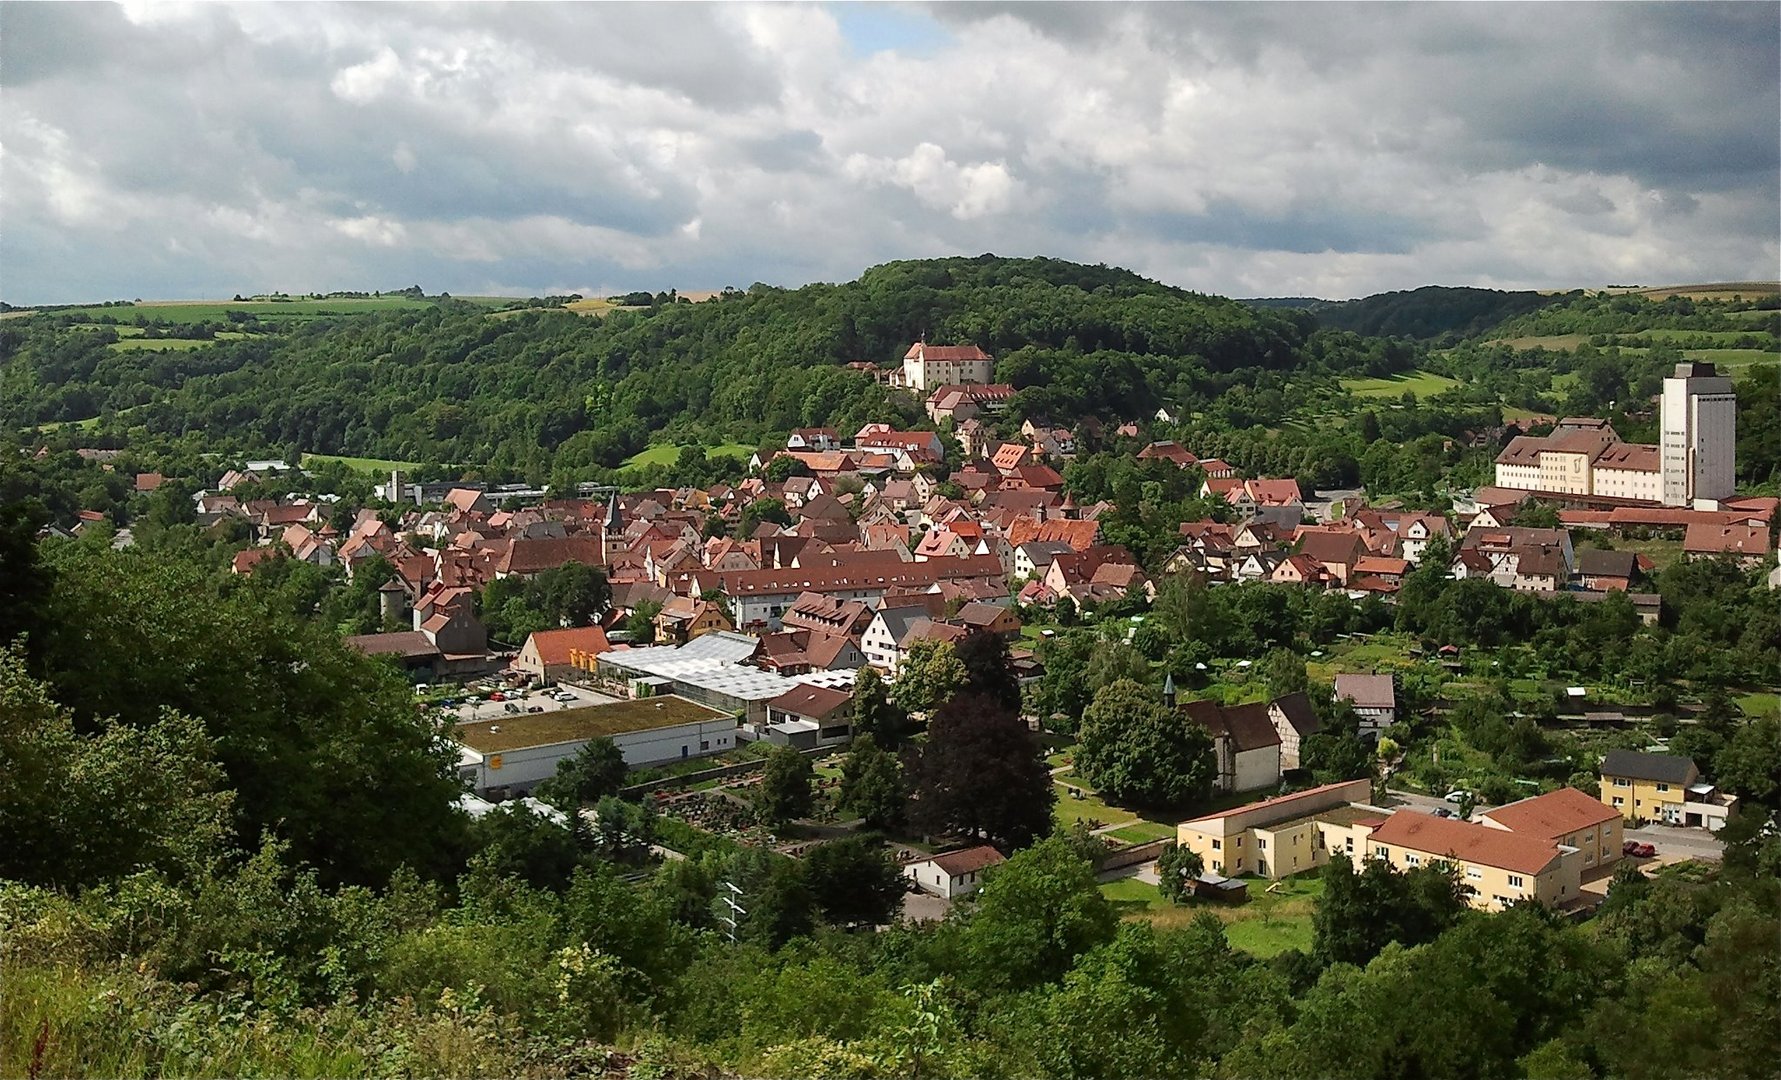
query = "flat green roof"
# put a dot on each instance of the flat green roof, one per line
(588, 722)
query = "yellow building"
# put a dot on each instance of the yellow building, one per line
(1647, 787)
(1284, 835)
(1497, 867)
(1567, 817)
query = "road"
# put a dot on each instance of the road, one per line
(1680, 843)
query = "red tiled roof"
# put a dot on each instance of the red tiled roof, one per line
(553, 646)
(1554, 815)
(817, 703)
(1708, 539)
(1465, 841)
(955, 353)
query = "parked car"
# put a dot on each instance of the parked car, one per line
(1443, 812)
(497, 696)
(535, 708)
(1646, 851)
(1456, 797)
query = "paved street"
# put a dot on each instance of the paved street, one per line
(1426, 804)
(1679, 843)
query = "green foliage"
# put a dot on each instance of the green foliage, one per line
(1361, 912)
(930, 673)
(321, 745)
(980, 774)
(1176, 869)
(1039, 911)
(573, 594)
(853, 882)
(785, 792)
(872, 784)
(874, 715)
(596, 771)
(1136, 750)
(78, 809)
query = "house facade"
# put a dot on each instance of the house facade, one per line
(955, 873)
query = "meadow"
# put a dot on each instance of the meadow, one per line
(1423, 384)
(666, 453)
(1268, 925)
(380, 466)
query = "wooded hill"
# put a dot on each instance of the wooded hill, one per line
(452, 384)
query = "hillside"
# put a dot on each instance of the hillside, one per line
(447, 382)
(1433, 311)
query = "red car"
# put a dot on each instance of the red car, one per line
(1638, 850)
(497, 696)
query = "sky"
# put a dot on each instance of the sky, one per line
(175, 150)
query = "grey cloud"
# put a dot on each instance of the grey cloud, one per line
(1221, 146)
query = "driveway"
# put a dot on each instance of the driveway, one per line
(1678, 842)
(925, 907)
(1427, 804)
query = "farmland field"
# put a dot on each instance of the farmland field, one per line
(141, 344)
(1421, 383)
(666, 453)
(1733, 359)
(1720, 337)
(1549, 342)
(211, 310)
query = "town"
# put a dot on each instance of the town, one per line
(939, 676)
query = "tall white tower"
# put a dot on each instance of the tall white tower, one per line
(1700, 435)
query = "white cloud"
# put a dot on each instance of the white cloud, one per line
(1242, 149)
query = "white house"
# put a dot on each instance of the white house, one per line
(1374, 698)
(954, 873)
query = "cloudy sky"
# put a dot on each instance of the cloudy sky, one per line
(164, 150)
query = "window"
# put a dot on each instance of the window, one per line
(1618, 782)
(1515, 882)
(1239, 841)
(1663, 787)
(1261, 842)
(704, 744)
(1412, 860)
(1474, 873)
(1618, 801)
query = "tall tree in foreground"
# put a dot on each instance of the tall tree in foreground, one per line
(874, 714)
(988, 668)
(872, 784)
(853, 882)
(596, 771)
(785, 786)
(980, 774)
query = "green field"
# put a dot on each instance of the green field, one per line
(1549, 342)
(1268, 925)
(1090, 807)
(666, 453)
(1143, 832)
(1421, 383)
(214, 310)
(141, 344)
(1719, 337)
(362, 464)
(1756, 704)
(1733, 359)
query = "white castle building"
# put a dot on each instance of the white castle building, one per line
(1693, 463)
(927, 366)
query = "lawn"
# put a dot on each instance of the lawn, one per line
(1421, 383)
(1755, 704)
(1269, 924)
(142, 344)
(1143, 832)
(362, 464)
(666, 453)
(1734, 358)
(1661, 552)
(1090, 807)
(1549, 342)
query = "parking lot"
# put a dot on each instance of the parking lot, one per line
(545, 700)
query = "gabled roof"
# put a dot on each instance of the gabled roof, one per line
(1706, 539)
(960, 863)
(898, 619)
(817, 703)
(1247, 726)
(1637, 765)
(1367, 691)
(1465, 841)
(1299, 714)
(1594, 562)
(553, 646)
(921, 350)
(1554, 815)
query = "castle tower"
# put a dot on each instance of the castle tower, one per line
(1700, 434)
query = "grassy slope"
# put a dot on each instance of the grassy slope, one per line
(363, 464)
(665, 453)
(1269, 924)
(1421, 383)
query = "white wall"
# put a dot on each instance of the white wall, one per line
(528, 766)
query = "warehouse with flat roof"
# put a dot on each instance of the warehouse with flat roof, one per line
(510, 755)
